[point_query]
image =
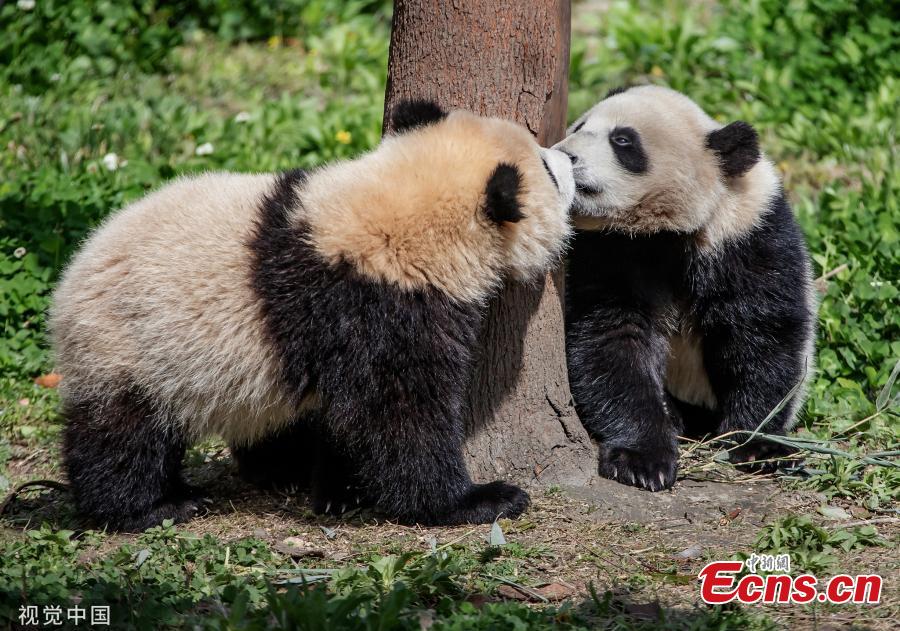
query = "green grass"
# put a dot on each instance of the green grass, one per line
(812, 548)
(103, 101)
(166, 579)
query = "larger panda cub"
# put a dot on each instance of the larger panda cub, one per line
(690, 302)
(335, 310)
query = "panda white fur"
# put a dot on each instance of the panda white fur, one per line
(690, 303)
(323, 322)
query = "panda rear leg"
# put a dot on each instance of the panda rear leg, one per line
(750, 374)
(303, 455)
(282, 460)
(335, 480)
(124, 462)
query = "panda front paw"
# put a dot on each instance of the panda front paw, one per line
(651, 469)
(761, 456)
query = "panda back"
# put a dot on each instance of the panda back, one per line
(159, 299)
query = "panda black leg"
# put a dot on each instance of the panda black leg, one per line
(409, 457)
(336, 486)
(695, 421)
(283, 460)
(303, 456)
(751, 370)
(618, 359)
(124, 463)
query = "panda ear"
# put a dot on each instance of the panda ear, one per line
(617, 90)
(502, 194)
(411, 113)
(737, 146)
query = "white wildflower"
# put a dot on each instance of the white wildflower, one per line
(19, 252)
(205, 149)
(25, 5)
(111, 161)
(242, 117)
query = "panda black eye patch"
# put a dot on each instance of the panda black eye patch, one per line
(626, 144)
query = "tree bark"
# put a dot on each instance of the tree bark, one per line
(506, 58)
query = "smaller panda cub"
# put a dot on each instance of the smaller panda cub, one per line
(324, 323)
(690, 304)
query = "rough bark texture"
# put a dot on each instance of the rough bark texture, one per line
(506, 58)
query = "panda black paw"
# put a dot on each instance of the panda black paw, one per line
(484, 503)
(652, 469)
(761, 456)
(336, 505)
(337, 496)
(178, 511)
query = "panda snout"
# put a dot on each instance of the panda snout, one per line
(560, 172)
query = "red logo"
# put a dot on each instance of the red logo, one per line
(719, 584)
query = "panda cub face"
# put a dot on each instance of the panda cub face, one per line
(649, 159)
(528, 196)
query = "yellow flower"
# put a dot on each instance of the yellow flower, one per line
(274, 41)
(344, 137)
(656, 71)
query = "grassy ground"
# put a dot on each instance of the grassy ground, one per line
(100, 101)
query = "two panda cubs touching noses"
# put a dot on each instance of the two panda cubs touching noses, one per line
(325, 323)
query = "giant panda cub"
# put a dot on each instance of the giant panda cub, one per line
(690, 302)
(333, 312)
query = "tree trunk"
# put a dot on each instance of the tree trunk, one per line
(506, 58)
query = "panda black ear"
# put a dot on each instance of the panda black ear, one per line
(502, 194)
(617, 90)
(737, 146)
(411, 113)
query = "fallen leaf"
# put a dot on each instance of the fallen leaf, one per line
(690, 553)
(50, 380)
(510, 592)
(555, 591)
(297, 548)
(496, 537)
(833, 512)
(141, 557)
